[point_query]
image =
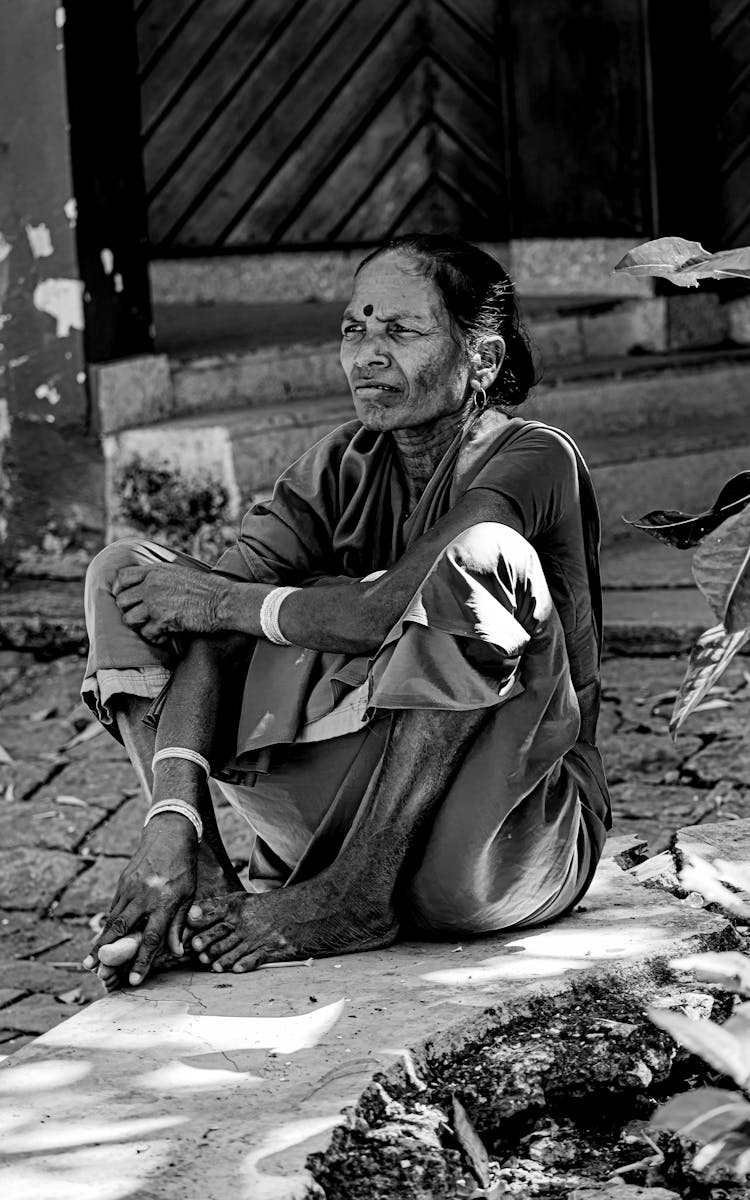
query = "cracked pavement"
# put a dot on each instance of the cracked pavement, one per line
(70, 809)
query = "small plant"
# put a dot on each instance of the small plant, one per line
(721, 564)
(189, 512)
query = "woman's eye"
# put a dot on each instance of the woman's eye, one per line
(401, 329)
(351, 330)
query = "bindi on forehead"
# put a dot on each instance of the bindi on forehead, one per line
(367, 310)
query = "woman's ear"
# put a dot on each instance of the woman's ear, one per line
(487, 359)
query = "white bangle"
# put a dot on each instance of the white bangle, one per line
(176, 806)
(182, 752)
(269, 615)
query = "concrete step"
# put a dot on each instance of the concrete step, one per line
(669, 439)
(226, 355)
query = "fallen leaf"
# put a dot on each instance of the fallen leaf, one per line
(709, 659)
(696, 874)
(91, 731)
(471, 1143)
(96, 923)
(71, 801)
(74, 996)
(43, 714)
(714, 703)
(4, 756)
(9, 793)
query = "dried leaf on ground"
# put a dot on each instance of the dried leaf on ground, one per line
(74, 996)
(91, 731)
(726, 967)
(471, 1143)
(713, 1043)
(730, 1152)
(709, 659)
(721, 568)
(4, 756)
(43, 714)
(703, 1114)
(71, 801)
(684, 262)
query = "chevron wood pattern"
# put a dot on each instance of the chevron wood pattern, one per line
(283, 123)
(730, 80)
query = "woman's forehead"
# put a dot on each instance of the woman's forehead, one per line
(394, 283)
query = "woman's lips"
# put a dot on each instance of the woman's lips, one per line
(373, 386)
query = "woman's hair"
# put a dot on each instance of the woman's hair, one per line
(480, 299)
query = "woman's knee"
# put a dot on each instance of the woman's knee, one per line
(481, 548)
(101, 572)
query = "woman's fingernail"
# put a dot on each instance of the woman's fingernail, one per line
(195, 913)
(217, 967)
(197, 943)
(134, 978)
(89, 962)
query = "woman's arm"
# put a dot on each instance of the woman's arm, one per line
(346, 617)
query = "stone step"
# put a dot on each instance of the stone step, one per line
(218, 356)
(667, 440)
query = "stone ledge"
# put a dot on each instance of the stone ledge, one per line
(267, 1062)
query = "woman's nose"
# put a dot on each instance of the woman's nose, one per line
(372, 350)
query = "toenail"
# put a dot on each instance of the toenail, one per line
(197, 943)
(217, 967)
(195, 913)
(203, 958)
(89, 962)
(134, 978)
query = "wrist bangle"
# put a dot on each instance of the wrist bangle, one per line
(182, 752)
(176, 806)
(269, 615)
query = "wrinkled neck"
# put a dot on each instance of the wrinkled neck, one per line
(420, 449)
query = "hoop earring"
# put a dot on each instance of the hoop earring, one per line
(480, 399)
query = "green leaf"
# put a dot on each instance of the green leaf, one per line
(711, 1042)
(684, 262)
(729, 968)
(704, 1114)
(709, 659)
(685, 530)
(721, 568)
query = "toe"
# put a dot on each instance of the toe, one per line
(116, 954)
(227, 960)
(207, 912)
(246, 962)
(205, 940)
(225, 946)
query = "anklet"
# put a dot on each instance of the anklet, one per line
(269, 615)
(176, 806)
(182, 752)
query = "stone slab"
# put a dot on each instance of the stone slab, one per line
(30, 877)
(205, 1084)
(553, 266)
(92, 890)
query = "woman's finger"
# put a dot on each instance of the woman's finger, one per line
(154, 937)
(118, 925)
(176, 931)
(127, 577)
(128, 598)
(136, 616)
(124, 950)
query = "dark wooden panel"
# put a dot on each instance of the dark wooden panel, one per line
(319, 121)
(581, 136)
(730, 78)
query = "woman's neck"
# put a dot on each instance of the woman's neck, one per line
(420, 449)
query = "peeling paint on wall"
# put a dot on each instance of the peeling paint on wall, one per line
(63, 300)
(59, 16)
(46, 391)
(70, 208)
(108, 261)
(40, 240)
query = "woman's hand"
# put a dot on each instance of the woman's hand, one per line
(153, 893)
(158, 601)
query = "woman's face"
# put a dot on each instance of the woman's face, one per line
(404, 364)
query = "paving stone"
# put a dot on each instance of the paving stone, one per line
(101, 749)
(25, 932)
(31, 878)
(31, 740)
(11, 1041)
(722, 760)
(22, 778)
(50, 685)
(104, 788)
(648, 756)
(644, 676)
(93, 890)
(44, 823)
(30, 976)
(8, 995)
(36, 1014)
(121, 832)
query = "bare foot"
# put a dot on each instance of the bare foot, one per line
(240, 931)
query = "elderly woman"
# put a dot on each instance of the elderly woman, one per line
(393, 676)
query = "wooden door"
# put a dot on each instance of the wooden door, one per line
(729, 72)
(287, 123)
